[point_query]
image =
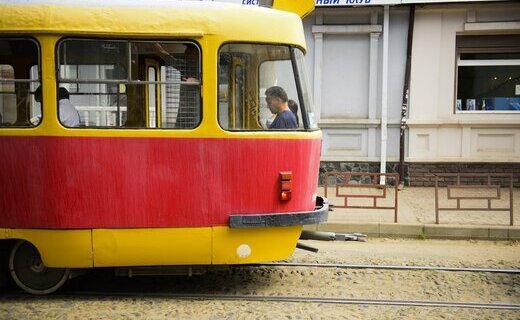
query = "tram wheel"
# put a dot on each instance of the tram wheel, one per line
(29, 272)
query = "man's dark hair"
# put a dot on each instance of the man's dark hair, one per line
(63, 93)
(277, 92)
(293, 106)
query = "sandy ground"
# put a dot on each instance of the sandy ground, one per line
(499, 254)
(314, 282)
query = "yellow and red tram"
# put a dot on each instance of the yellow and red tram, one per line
(171, 161)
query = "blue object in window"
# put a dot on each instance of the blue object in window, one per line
(506, 103)
(488, 104)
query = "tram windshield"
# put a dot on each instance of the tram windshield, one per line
(246, 71)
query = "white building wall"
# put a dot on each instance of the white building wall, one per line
(345, 78)
(436, 131)
(345, 54)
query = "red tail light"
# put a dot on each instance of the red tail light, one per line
(285, 185)
(285, 195)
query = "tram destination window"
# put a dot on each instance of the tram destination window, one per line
(19, 78)
(246, 71)
(132, 84)
(488, 74)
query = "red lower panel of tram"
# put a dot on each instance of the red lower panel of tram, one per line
(84, 182)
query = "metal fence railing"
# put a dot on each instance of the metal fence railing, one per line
(474, 188)
(368, 187)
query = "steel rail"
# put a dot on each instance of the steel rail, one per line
(296, 299)
(384, 267)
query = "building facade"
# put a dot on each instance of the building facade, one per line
(462, 99)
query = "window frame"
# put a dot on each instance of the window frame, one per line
(29, 81)
(129, 81)
(482, 44)
(297, 79)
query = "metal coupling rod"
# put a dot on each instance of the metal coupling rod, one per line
(332, 236)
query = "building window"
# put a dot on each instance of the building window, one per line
(19, 78)
(488, 74)
(132, 84)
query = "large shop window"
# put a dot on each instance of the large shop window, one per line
(19, 78)
(132, 84)
(488, 73)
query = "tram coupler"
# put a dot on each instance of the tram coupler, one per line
(302, 246)
(332, 236)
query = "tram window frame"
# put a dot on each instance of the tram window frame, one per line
(225, 94)
(303, 88)
(293, 87)
(32, 119)
(183, 112)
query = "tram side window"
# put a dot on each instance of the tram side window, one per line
(132, 84)
(246, 71)
(19, 78)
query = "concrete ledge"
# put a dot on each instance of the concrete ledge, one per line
(370, 229)
(422, 231)
(436, 231)
(401, 230)
(514, 233)
(498, 233)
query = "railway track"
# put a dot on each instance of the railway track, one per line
(292, 299)
(275, 297)
(385, 267)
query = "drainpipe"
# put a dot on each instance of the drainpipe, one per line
(406, 94)
(384, 93)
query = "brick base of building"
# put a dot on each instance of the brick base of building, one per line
(421, 174)
(374, 167)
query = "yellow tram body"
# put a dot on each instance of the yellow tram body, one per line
(211, 26)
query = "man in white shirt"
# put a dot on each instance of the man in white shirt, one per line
(69, 116)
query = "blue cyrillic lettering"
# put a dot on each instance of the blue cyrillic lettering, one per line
(332, 2)
(327, 1)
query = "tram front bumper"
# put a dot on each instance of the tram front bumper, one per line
(318, 215)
